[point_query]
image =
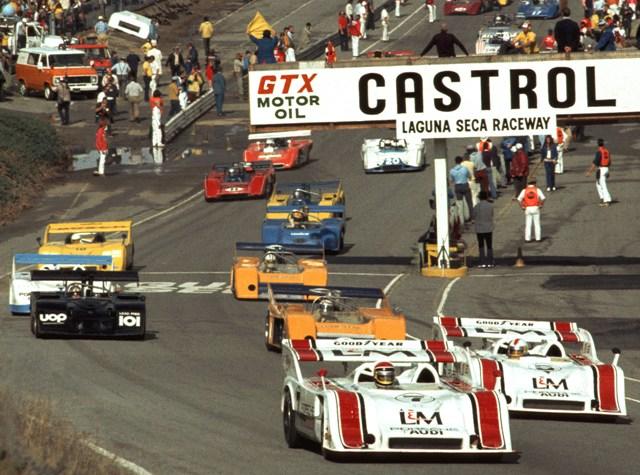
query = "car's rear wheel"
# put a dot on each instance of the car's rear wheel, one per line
(289, 422)
(22, 89)
(35, 327)
(48, 92)
(269, 189)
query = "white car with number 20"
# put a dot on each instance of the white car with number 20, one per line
(386, 397)
(392, 155)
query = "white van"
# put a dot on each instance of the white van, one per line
(131, 23)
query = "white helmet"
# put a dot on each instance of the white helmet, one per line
(517, 348)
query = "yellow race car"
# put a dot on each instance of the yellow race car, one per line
(291, 264)
(100, 238)
(299, 195)
(333, 312)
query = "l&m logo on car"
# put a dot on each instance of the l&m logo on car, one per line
(412, 417)
(542, 382)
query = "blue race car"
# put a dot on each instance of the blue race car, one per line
(302, 227)
(542, 9)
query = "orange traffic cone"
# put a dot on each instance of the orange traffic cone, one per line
(519, 259)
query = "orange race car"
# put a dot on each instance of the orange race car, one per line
(332, 312)
(291, 264)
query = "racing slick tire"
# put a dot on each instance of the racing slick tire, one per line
(291, 435)
(268, 190)
(341, 243)
(276, 334)
(35, 327)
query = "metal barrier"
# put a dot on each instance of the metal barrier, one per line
(186, 117)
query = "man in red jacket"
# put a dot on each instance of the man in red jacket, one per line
(101, 146)
(519, 169)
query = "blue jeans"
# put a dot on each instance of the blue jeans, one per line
(550, 172)
(219, 102)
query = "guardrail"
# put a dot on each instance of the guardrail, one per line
(186, 117)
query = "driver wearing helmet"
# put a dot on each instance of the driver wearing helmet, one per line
(384, 375)
(517, 348)
(298, 197)
(326, 309)
(297, 217)
(234, 173)
(270, 262)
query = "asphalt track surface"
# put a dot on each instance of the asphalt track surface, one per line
(201, 394)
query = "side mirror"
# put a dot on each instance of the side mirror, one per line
(39, 241)
(616, 355)
(124, 237)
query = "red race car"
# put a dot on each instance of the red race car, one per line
(466, 7)
(284, 149)
(240, 180)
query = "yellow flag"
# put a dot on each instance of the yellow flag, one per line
(258, 25)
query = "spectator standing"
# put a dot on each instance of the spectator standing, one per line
(209, 72)
(219, 87)
(481, 174)
(567, 33)
(206, 33)
(474, 188)
(192, 56)
(348, 9)
(370, 18)
(549, 154)
(102, 146)
(289, 54)
(483, 224)
(561, 140)
(397, 12)
(507, 154)
(384, 19)
(102, 30)
(238, 75)
(519, 169)
(305, 37)
(111, 93)
(155, 75)
(459, 176)
(600, 165)
(156, 120)
(157, 58)
(102, 109)
(266, 45)
(431, 9)
(64, 101)
(246, 58)
(360, 11)
(122, 71)
(147, 74)
(445, 43)
(355, 34)
(175, 61)
(194, 84)
(531, 201)
(330, 53)
(134, 94)
(174, 96)
(133, 60)
(343, 31)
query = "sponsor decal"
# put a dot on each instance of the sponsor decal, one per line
(508, 331)
(129, 319)
(542, 382)
(233, 188)
(414, 397)
(368, 343)
(54, 318)
(424, 431)
(555, 394)
(179, 288)
(413, 417)
(498, 323)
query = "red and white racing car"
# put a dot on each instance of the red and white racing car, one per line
(240, 180)
(545, 367)
(284, 149)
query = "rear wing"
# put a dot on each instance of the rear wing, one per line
(259, 165)
(90, 227)
(299, 249)
(295, 290)
(87, 276)
(394, 351)
(285, 134)
(334, 209)
(60, 260)
(316, 186)
(528, 330)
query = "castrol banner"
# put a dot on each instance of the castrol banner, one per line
(446, 100)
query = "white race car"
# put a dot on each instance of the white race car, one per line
(392, 155)
(373, 397)
(22, 285)
(545, 367)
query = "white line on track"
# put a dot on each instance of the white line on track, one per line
(632, 379)
(292, 12)
(529, 274)
(445, 294)
(389, 286)
(243, 7)
(168, 210)
(631, 399)
(124, 463)
(398, 26)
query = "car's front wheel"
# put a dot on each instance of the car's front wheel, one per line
(35, 327)
(289, 422)
(48, 92)
(22, 89)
